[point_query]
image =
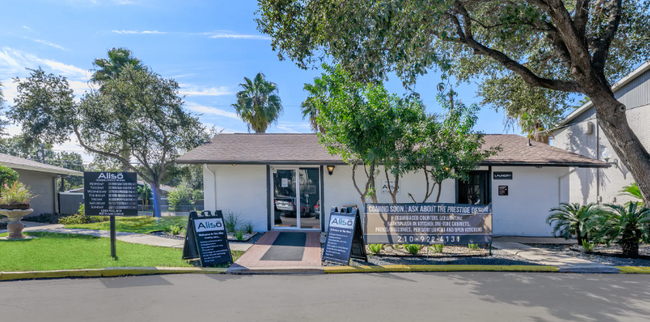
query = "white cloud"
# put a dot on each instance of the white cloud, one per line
(13, 63)
(210, 110)
(187, 89)
(293, 127)
(131, 32)
(45, 42)
(238, 36)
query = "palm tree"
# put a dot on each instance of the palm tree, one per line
(633, 191)
(625, 225)
(309, 107)
(111, 67)
(258, 103)
(572, 220)
(144, 191)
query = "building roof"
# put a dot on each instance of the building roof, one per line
(289, 148)
(24, 164)
(618, 85)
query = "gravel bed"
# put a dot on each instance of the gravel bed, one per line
(498, 258)
(576, 251)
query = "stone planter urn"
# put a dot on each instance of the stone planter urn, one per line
(15, 227)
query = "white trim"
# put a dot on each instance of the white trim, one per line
(63, 171)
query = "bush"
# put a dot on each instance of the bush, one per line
(626, 226)
(7, 177)
(175, 229)
(437, 248)
(183, 195)
(412, 248)
(375, 248)
(570, 220)
(472, 246)
(46, 218)
(82, 219)
(248, 227)
(239, 235)
(587, 246)
(231, 220)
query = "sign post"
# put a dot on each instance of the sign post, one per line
(344, 237)
(111, 194)
(207, 239)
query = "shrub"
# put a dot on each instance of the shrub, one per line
(82, 209)
(472, 246)
(46, 218)
(624, 225)
(231, 220)
(587, 246)
(239, 235)
(572, 220)
(634, 192)
(375, 248)
(437, 248)
(16, 193)
(248, 227)
(183, 195)
(7, 177)
(175, 229)
(74, 220)
(412, 248)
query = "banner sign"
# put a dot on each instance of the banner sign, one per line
(111, 193)
(207, 238)
(429, 223)
(344, 237)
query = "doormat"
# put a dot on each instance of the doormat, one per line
(286, 247)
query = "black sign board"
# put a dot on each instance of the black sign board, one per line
(503, 190)
(502, 175)
(111, 193)
(428, 223)
(207, 239)
(344, 237)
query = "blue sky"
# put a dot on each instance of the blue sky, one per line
(207, 46)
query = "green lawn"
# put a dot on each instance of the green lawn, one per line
(139, 224)
(69, 251)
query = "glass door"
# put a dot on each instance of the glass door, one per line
(474, 191)
(296, 198)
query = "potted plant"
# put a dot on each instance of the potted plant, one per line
(14, 203)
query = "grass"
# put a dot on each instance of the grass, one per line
(53, 251)
(139, 224)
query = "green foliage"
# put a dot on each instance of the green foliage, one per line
(82, 209)
(437, 248)
(77, 219)
(248, 227)
(309, 107)
(633, 191)
(139, 224)
(626, 226)
(258, 103)
(375, 248)
(473, 246)
(16, 193)
(231, 221)
(412, 248)
(570, 220)
(7, 177)
(587, 246)
(239, 234)
(144, 191)
(183, 195)
(175, 229)
(111, 68)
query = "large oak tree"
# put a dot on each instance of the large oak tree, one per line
(536, 53)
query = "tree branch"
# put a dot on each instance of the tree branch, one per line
(602, 44)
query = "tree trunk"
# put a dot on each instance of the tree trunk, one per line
(611, 115)
(373, 187)
(155, 190)
(630, 248)
(439, 190)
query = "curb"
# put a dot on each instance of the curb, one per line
(107, 272)
(633, 269)
(439, 268)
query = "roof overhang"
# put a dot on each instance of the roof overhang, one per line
(62, 173)
(486, 163)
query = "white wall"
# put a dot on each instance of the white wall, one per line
(531, 194)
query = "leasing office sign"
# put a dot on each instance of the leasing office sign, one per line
(428, 223)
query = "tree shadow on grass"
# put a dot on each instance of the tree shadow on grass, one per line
(567, 297)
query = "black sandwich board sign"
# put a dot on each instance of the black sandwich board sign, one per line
(111, 193)
(344, 237)
(207, 239)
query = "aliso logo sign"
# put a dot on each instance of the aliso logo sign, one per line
(202, 225)
(341, 222)
(109, 175)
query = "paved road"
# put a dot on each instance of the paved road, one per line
(400, 297)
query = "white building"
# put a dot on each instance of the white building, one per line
(266, 178)
(580, 133)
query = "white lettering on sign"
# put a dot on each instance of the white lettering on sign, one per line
(341, 222)
(203, 225)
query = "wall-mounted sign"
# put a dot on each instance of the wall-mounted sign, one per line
(429, 223)
(344, 237)
(503, 190)
(384, 186)
(207, 239)
(285, 182)
(111, 193)
(502, 175)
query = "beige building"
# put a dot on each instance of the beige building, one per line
(581, 133)
(41, 179)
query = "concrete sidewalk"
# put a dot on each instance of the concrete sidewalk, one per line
(565, 263)
(134, 238)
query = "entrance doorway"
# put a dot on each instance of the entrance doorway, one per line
(475, 190)
(296, 198)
